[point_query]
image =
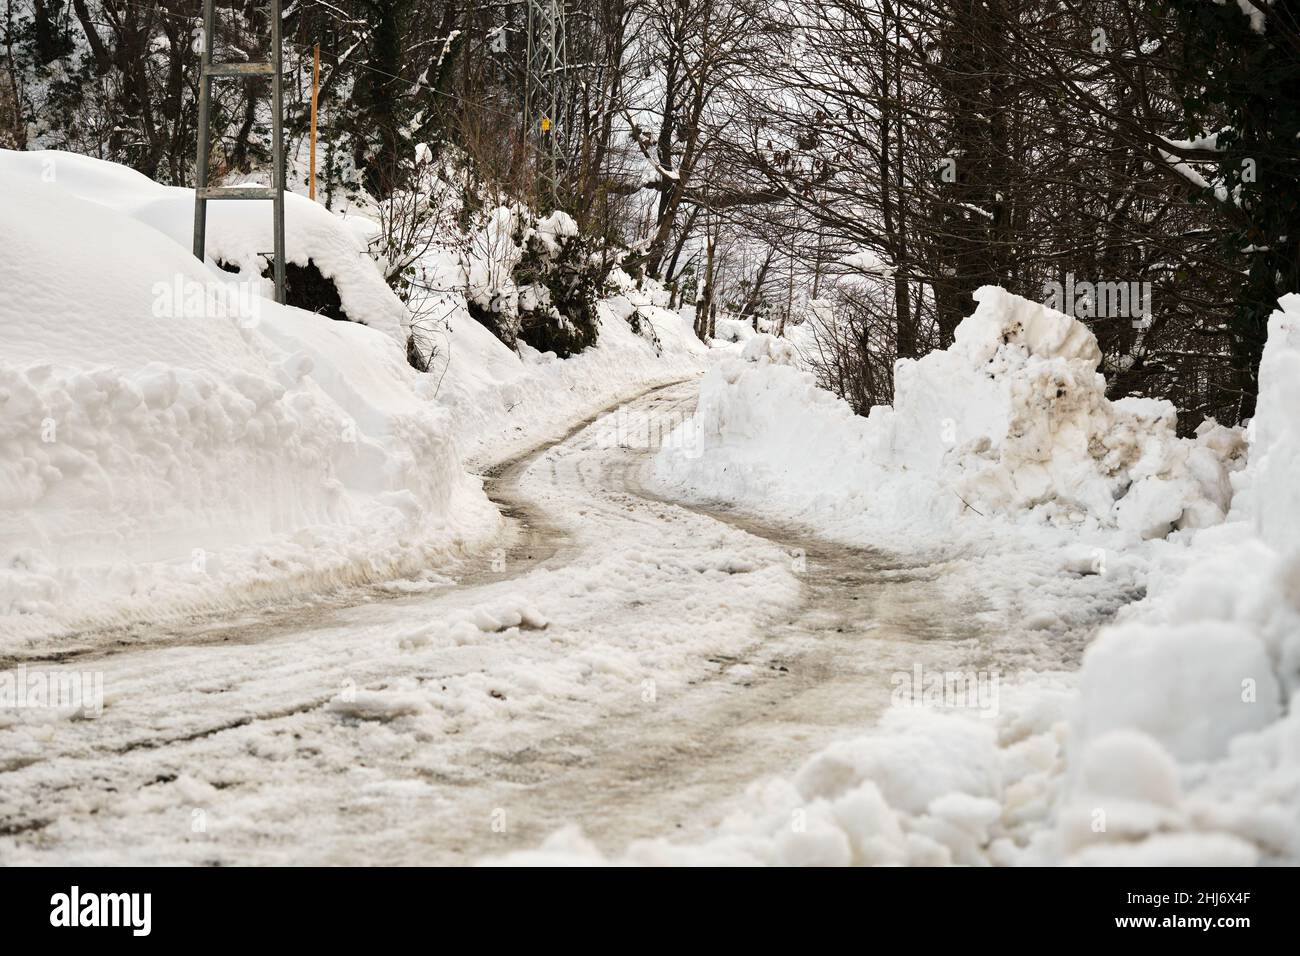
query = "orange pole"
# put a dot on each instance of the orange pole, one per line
(315, 88)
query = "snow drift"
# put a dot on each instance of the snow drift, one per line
(238, 233)
(1012, 420)
(160, 454)
(1200, 678)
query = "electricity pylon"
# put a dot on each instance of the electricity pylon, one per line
(546, 73)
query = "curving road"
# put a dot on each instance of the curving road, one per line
(623, 662)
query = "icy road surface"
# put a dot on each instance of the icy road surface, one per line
(620, 662)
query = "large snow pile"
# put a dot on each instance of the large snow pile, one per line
(168, 441)
(1011, 420)
(239, 233)
(1193, 689)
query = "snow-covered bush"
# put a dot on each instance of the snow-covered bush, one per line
(641, 303)
(847, 339)
(419, 226)
(558, 277)
(733, 330)
(536, 281)
(763, 347)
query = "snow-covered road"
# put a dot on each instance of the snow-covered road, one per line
(621, 662)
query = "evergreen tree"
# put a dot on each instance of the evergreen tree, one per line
(1243, 70)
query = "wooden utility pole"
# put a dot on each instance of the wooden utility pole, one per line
(315, 90)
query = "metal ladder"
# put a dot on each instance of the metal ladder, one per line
(202, 191)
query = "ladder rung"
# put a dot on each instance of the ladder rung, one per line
(235, 192)
(238, 69)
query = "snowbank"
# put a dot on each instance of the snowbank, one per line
(1202, 674)
(170, 440)
(1012, 420)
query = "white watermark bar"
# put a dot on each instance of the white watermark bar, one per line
(1103, 299)
(947, 689)
(23, 689)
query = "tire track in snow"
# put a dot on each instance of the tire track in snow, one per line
(528, 540)
(819, 672)
(548, 727)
